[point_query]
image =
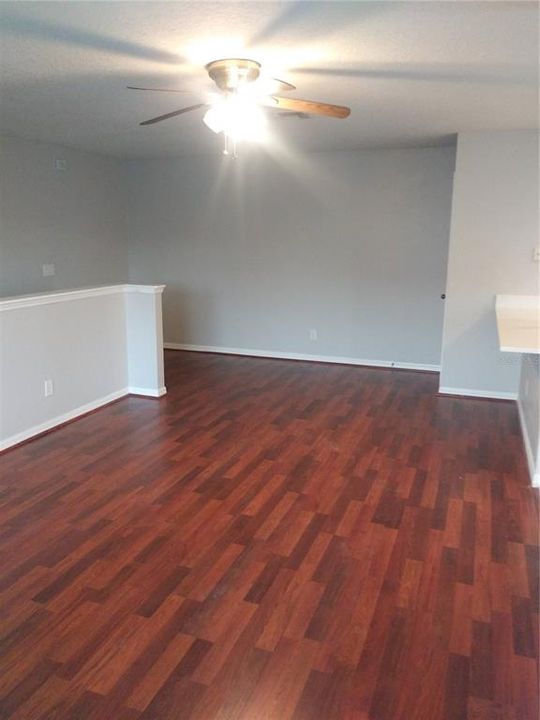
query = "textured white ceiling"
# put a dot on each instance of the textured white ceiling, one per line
(412, 72)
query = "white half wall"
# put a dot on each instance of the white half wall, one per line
(260, 251)
(93, 345)
(144, 337)
(72, 217)
(529, 413)
(494, 230)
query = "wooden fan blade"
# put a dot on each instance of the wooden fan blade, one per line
(291, 114)
(159, 118)
(311, 107)
(284, 86)
(132, 87)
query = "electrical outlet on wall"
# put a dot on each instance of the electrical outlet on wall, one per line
(60, 164)
(313, 335)
(48, 388)
(48, 270)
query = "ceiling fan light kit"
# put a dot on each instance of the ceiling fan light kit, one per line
(238, 113)
(232, 73)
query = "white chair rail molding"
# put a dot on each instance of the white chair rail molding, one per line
(69, 352)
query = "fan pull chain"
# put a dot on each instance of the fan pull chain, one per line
(229, 146)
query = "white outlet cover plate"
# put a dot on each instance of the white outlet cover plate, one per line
(48, 270)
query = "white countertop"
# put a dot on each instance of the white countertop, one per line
(518, 323)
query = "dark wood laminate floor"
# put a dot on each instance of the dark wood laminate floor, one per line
(272, 540)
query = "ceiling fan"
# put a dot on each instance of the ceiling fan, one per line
(237, 111)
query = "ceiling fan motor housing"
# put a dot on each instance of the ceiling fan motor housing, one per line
(231, 73)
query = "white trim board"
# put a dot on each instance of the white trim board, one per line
(468, 392)
(147, 392)
(46, 298)
(61, 419)
(76, 413)
(518, 323)
(301, 356)
(534, 475)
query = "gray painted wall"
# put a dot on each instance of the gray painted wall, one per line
(74, 218)
(494, 232)
(79, 344)
(94, 345)
(258, 251)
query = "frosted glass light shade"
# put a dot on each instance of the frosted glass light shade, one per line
(239, 118)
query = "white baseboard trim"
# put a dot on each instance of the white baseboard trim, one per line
(468, 392)
(148, 392)
(77, 412)
(60, 419)
(533, 472)
(301, 356)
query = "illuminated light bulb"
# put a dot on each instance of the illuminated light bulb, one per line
(214, 119)
(238, 117)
